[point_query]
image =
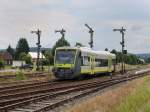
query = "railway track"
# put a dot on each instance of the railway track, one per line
(23, 86)
(50, 97)
(10, 96)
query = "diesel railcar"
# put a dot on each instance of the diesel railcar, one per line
(73, 62)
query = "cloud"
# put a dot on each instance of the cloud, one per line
(18, 22)
(19, 17)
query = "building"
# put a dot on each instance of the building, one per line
(18, 63)
(7, 57)
(34, 56)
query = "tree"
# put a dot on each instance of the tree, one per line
(148, 60)
(134, 59)
(10, 50)
(114, 51)
(106, 49)
(22, 46)
(28, 59)
(25, 57)
(49, 58)
(22, 56)
(79, 44)
(60, 43)
(128, 58)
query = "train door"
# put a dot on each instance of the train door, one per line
(109, 64)
(86, 65)
(92, 59)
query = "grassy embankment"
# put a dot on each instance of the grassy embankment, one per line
(131, 97)
(131, 67)
(138, 101)
(24, 75)
(20, 76)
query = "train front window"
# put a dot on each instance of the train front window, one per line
(65, 56)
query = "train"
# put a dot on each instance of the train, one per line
(76, 62)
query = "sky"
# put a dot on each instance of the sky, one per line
(19, 17)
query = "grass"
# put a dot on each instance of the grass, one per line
(138, 101)
(131, 97)
(24, 75)
(20, 76)
(8, 67)
(130, 67)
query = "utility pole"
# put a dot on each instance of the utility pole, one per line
(38, 33)
(43, 51)
(122, 31)
(91, 35)
(62, 32)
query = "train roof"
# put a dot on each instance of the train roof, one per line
(99, 54)
(66, 47)
(85, 51)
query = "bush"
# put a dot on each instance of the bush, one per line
(1, 63)
(20, 76)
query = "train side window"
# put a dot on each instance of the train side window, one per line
(85, 61)
(104, 62)
(82, 63)
(89, 59)
(80, 55)
(101, 62)
(97, 62)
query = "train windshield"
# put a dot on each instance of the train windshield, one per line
(65, 56)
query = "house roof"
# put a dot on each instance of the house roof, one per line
(6, 56)
(34, 55)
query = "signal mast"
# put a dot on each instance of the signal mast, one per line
(91, 35)
(62, 32)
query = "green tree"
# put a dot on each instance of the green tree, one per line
(128, 58)
(49, 58)
(25, 57)
(134, 59)
(10, 50)
(148, 60)
(28, 59)
(114, 51)
(119, 57)
(22, 56)
(22, 46)
(60, 43)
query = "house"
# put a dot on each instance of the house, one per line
(7, 57)
(17, 63)
(34, 56)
